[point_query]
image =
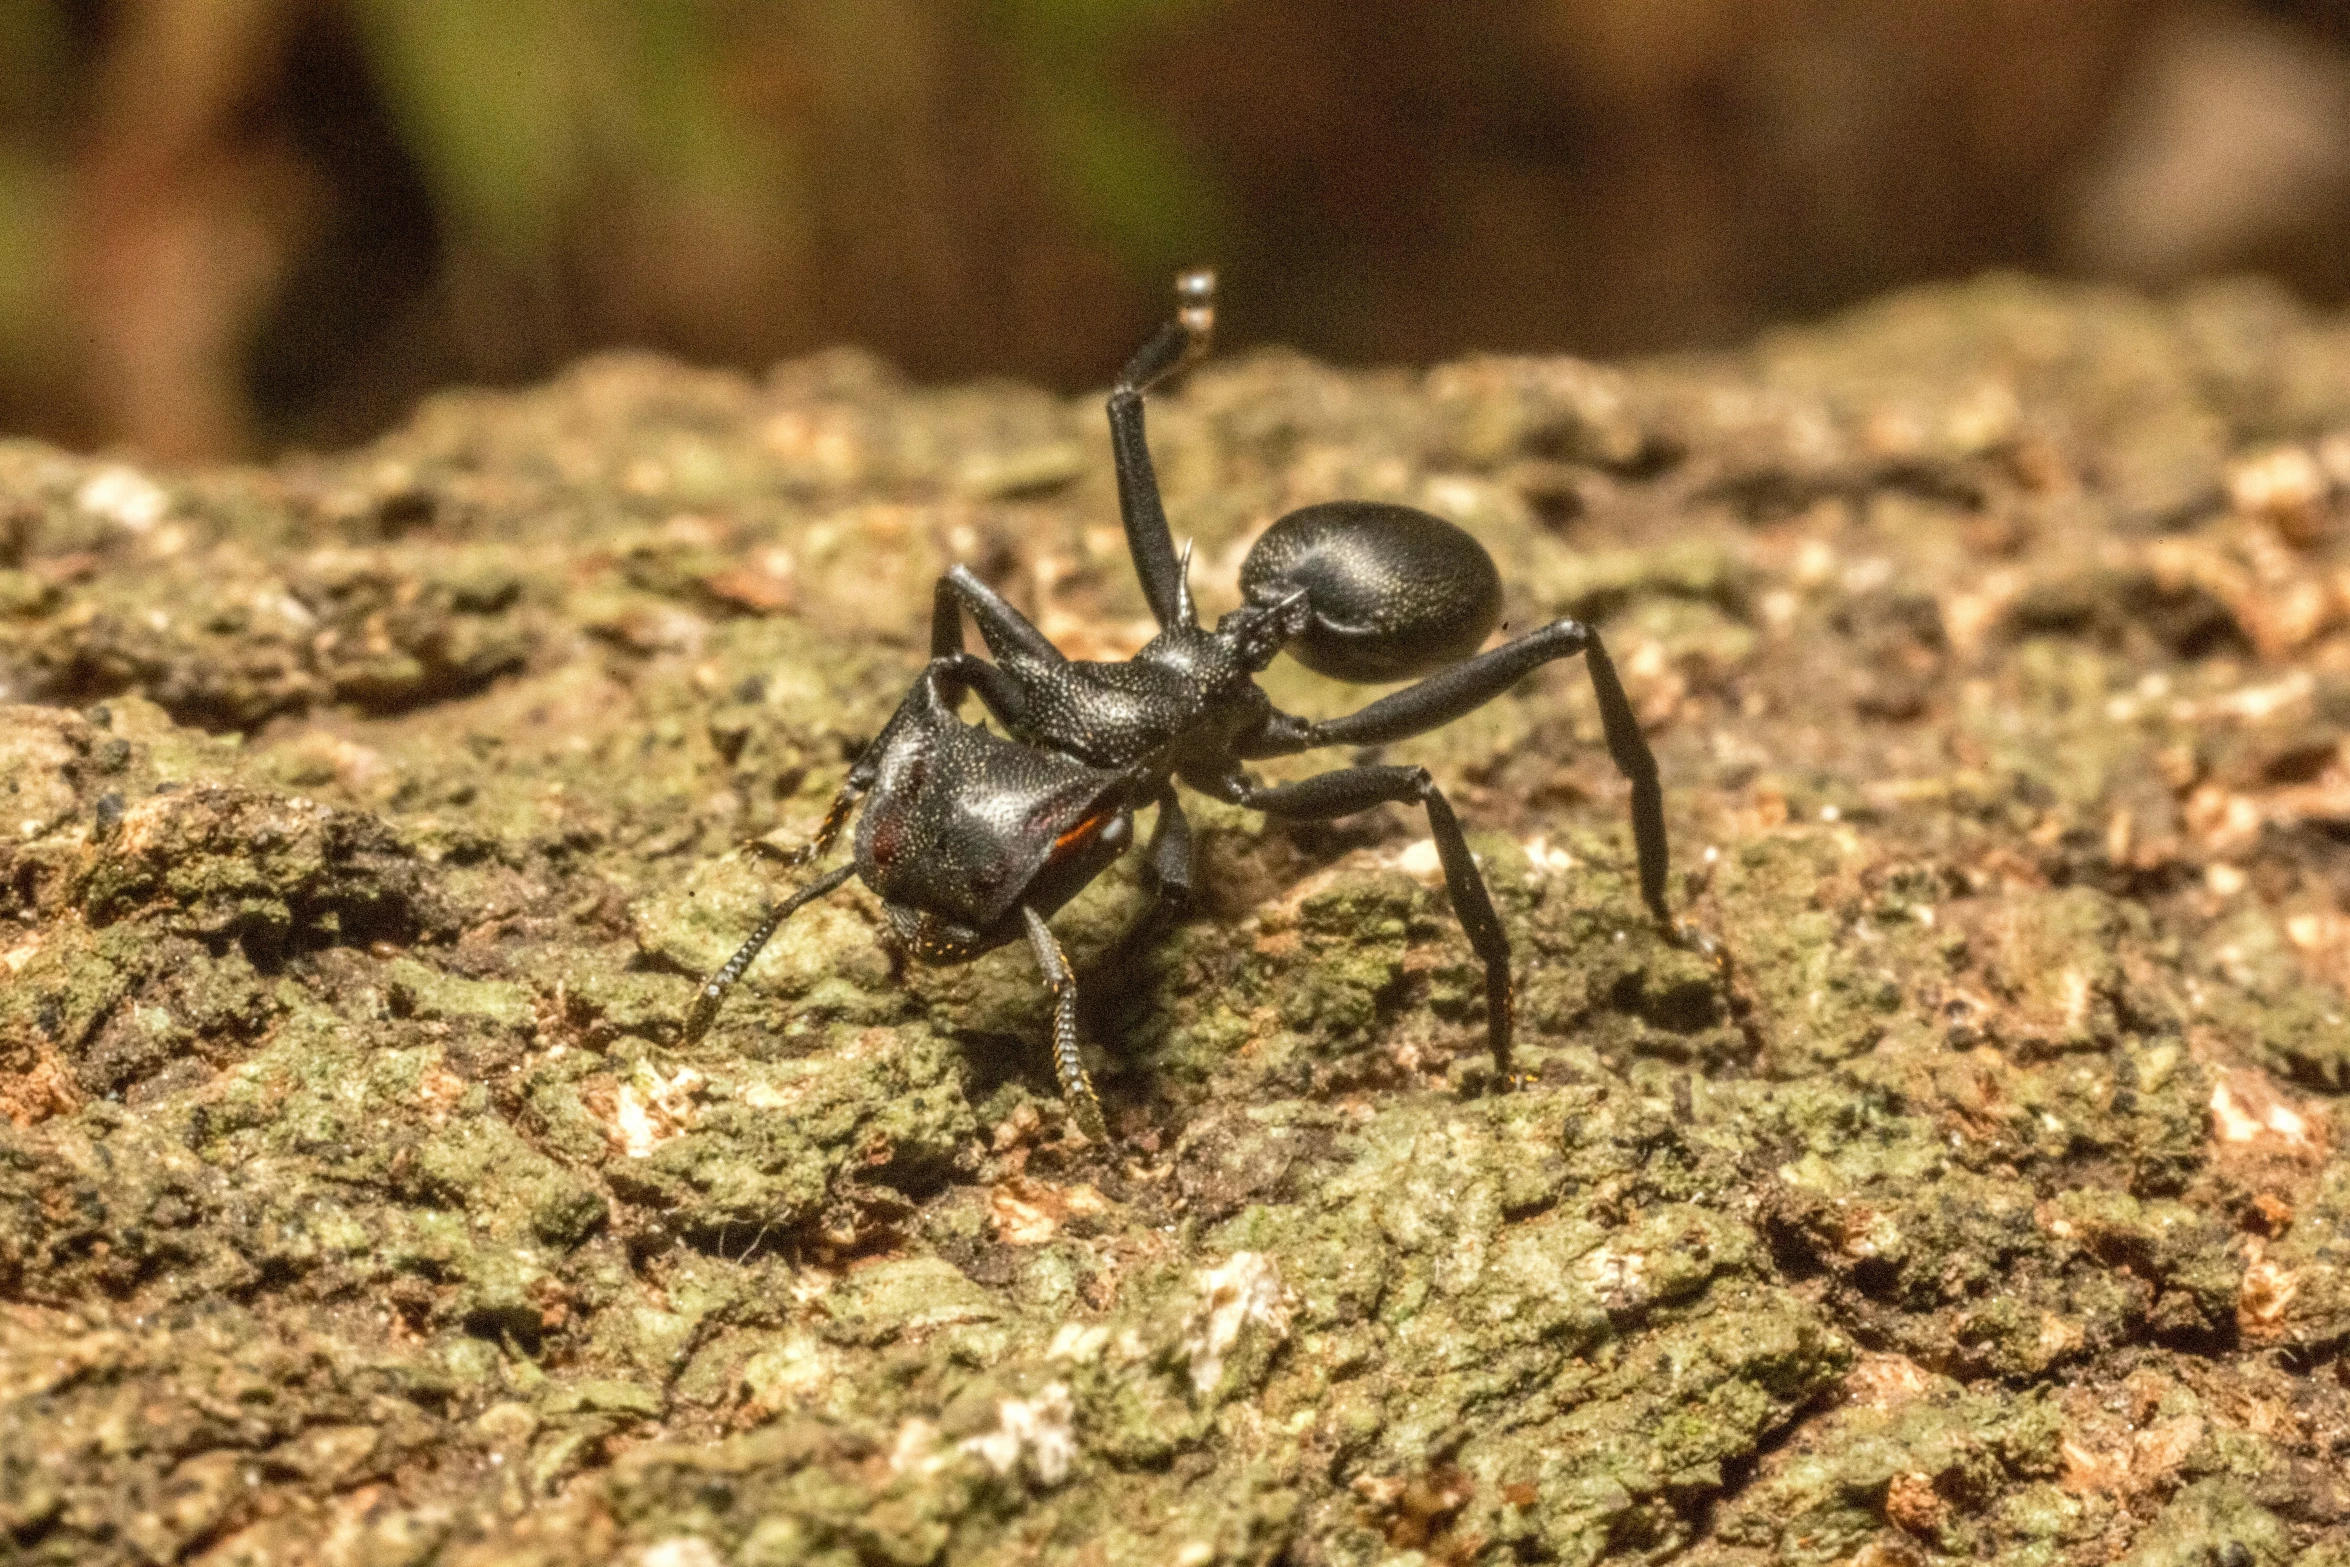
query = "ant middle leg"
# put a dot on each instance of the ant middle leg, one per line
(1168, 862)
(1352, 789)
(1469, 685)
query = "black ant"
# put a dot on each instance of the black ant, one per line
(973, 840)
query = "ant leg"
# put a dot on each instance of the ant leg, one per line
(713, 992)
(946, 616)
(835, 816)
(1472, 683)
(1007, 632)
(1351, 789)
(942, 684)
(956, 673)
(1169, 858)
(1068, 1066)
(1147, 538)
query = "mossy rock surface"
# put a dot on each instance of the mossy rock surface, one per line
(370, 818)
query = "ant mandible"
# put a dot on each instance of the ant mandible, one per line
(972, 840)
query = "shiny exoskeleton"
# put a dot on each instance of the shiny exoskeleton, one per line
(972, 839)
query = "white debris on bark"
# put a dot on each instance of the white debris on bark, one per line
(1038, 1429)
(1245, 1289)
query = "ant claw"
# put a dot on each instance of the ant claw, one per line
(1691, 937)
(1090, 1125)
(1501, 1080)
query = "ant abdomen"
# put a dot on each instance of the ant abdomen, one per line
(1395, 593)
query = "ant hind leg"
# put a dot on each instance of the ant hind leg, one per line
(1352, 789)
(1469, 685)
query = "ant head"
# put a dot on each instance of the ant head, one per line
(1389, 593)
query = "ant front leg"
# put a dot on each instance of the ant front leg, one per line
(712, 995)
(1352, 789)
(942, 684)
(1068, 1066)
(1469, 685)
(1147, 538)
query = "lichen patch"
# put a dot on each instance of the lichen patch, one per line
(1035, 1432)
(651, 1106)
(2249, 1112)
(1242, 1291)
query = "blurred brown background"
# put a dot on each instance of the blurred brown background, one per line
(227, 226)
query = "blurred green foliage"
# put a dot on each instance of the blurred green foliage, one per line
(727, 178)
(33, 51)
(516, 109)
(1113, 162)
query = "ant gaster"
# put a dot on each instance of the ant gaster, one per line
(973, 840)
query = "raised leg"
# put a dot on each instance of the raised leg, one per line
(1147, 538)
(1469, 685)
(713, 992)
(1352, 789)
(1068, 1066)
